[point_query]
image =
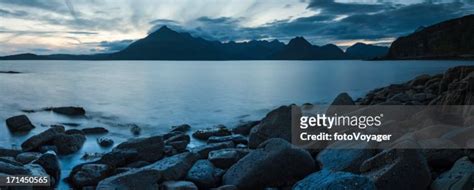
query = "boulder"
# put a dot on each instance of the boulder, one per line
(178, 137)
(345, 156)
(204, 174)
(50, 163)
(245, 127)
(19, 123)
(135, 129)
(69, 110)
(178, 185)
(237, 139)
(276, 124)
(74, 131)
(41, 138)
(105, 142)
(10, 168)
(95, 130)
(149, 149)
(68, 144)
(204, 134)
(396, 168)
(9, 152)
(181, 128)
(275, 163)
(27, 157)
(148, 177)
(460, 176)
(89, 175)
(343, 99)
(329, 180)
(225, 158)
(118, 158)
(204, 150)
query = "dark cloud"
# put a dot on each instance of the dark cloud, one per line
(8, 13)
(54, 5)
(332, 7)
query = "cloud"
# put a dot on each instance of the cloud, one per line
(7, 13)
(113, 46)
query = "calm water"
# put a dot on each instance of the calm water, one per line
(158, 94)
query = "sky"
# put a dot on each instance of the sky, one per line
(99, 26)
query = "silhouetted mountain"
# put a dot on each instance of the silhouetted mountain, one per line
(452, 39)
(300, 49)
(366, 51)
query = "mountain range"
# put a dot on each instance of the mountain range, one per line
(167, 44)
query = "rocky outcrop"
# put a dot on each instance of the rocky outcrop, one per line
(446, 40)
(274, 164)
(19, 123)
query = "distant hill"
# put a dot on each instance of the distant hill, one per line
(366, 51)
(452, 39)
(300, 49)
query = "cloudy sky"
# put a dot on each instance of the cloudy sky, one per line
(96, 26)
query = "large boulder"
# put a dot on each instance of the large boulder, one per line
(345, 156)
(276, 124)
(329, 180)
(27, 157)
(276, 163)
(149, 149)
(343, 99)
(204, 134)
(396, 168)
(95, 130)
(460, 176)
(19, 123)
(41, 138)
(181, 128)
(204, 174)
(149, 177)
(68, 144)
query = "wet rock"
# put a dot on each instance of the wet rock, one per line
(226, 187)
(90, 175)
(204, 134)
(69, 110)
(149, 149)
(343, 99)
(345, 156)
(181, 128)
(68, 144)
(105, 142)
(204, 150)
(135, 129)
(276, 124)
(245, 127)
(74, 131)
(237, 139)
(118, 158)
(9, 152)
(274, 164)
(326, 179)
(460, 176)
(19, 123)
(91, 155)
(50, 163)
(12, 169)
(35, 170)
(148, 177)
(178, 185)
(179, 146)
(41, 138)
(27, 157)
(47, 148)
(95, 130)
(396, 168)
(204, 174)
(10, 160)
(179, 141)
(225, 158)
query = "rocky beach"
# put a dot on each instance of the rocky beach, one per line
(259, 154)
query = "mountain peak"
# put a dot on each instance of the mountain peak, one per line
(299, 42)
(164, 30)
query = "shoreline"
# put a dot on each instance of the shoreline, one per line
(229, 152)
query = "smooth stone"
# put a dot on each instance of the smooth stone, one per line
(41, 138)
(182, 128)
(74, 131)
(225, 158)
(245, 127)
(69, 110)
(178, 185)
(68, 144)
(105, 142)
(149, 149)
(49, 161)
(204, 174)
(135, 129)
(237, 139)
(27, 157)
(204, 134)
(276, 124)
(90, 175)
(460, 176)
(345, 156)
(19, 123)
(204, 150)
(9, 152)
(275, 163)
